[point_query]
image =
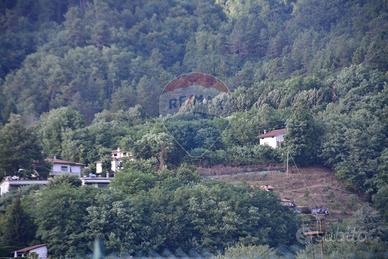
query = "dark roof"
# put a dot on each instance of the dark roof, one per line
(27, 249)
(273, 133)
(59, 161)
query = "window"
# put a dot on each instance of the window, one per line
(64, 168)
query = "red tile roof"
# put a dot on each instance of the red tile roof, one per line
(27, 249)
(65, 162)
(273, 133)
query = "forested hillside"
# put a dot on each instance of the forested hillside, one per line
(95, 55)
(278, 56)
(79, 78)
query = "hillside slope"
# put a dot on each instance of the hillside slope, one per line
(309, 186)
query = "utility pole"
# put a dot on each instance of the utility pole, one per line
(162, 155)
(322, 230)
(287, 164)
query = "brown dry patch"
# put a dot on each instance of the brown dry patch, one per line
(310, 186)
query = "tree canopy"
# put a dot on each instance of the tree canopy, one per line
(80, 78)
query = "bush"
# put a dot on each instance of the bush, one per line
(65, 179)
(247, 155)
(206, 157)
(131, 181)
(248, 252)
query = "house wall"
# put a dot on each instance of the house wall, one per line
(4, 187)
(41, 252)
(280, 138)
(115, 164)
(273, 142)
(119, 154)
(99, 167)
(10, 185)
(59, 169)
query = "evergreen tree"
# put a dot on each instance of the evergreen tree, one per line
(302, 140)
(54, 125)
(17, 229)
(19, 148)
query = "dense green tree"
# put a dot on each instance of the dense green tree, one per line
(381, 201)
(220, 227)
(90, 144)
(54, 125)
(308, 62)
(130, 181)
(17, 227)
(89, 55)
(248, 252)
(60, 180)
(148, 91)
(245, 127)
(382, 176)
(60, 216)
(302, 140)
(117, 223)
(334, 145)
(19, 148)
(355, 129)
(75, 30)
(193, 133)
(186, 174)
(130, 117)
(155, 145)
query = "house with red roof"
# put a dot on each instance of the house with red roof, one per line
(273, 138)
(38, 251)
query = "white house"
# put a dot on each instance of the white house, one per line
(9, 184)
(273, 138)
(63, 167)
(98, 167)
(38, 250)
(117, 158)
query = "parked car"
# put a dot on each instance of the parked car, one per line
(322, 211)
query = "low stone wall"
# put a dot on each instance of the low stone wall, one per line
(231, 170)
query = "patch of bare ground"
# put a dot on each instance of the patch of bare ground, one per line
(310, 186)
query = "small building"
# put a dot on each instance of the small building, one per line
(273, 138)
(118, 156)
(99, 167)
(63, 167)
(9, 184)
(40, 252)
